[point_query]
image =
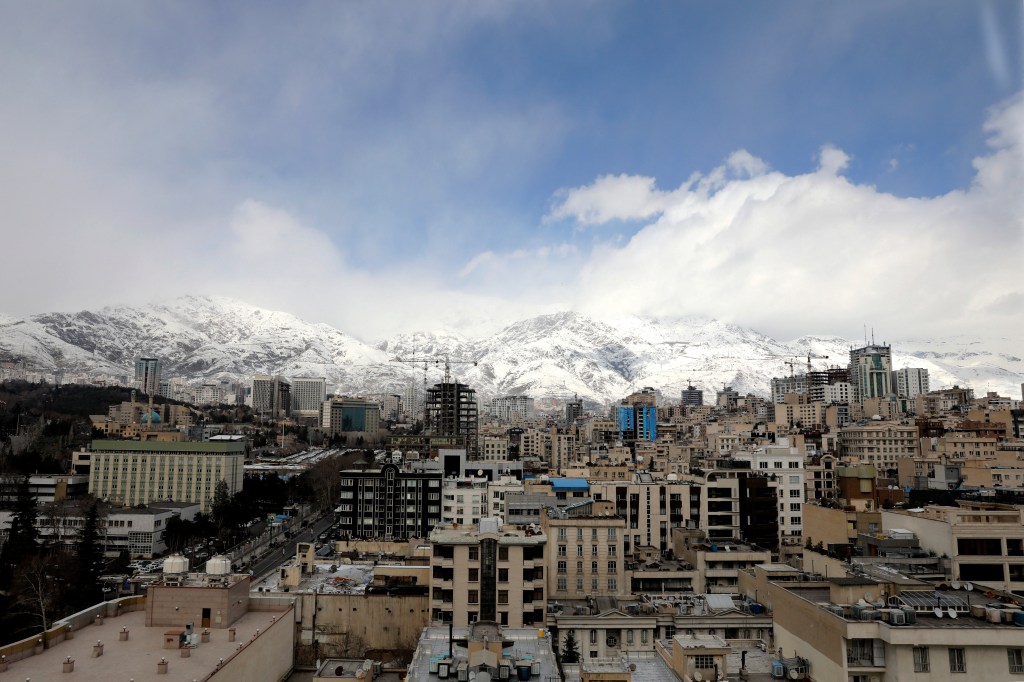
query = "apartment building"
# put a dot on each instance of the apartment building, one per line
(512, 408)
(855, 629)
(984, 541)
(881, 443)
(389, 503)
(586, 555)
(786, 465)
(140, 472)
(911, 382)
(492, 572)
(649, 506)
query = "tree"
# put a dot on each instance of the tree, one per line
(21, 542)
(90, 559)
(570, 649)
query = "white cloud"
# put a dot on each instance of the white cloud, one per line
(815, 252)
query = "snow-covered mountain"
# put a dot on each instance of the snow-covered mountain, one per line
(552, 355)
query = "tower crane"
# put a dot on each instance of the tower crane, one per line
(427, 362)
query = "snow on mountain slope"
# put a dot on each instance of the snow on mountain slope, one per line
(548, 355)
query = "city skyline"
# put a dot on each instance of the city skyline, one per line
(793, 168)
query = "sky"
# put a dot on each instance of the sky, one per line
(797, 167)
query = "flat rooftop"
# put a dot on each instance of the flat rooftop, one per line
(137, 658)
(525, 642)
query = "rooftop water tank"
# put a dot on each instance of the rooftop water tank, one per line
(176, 563)
(218, 565)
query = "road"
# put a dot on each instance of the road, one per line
(276, 557)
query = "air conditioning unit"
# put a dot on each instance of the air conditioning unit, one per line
(897, 617)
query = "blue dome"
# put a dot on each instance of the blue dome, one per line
(151, 418)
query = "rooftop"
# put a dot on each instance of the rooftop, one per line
(137, 658)
(526, 644)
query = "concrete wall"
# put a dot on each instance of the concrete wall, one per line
(171, 606)
(348, 624)
(271, 660)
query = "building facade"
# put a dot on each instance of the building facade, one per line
(147, 375)
(140, 472)
(389, 503)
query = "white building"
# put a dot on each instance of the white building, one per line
(911, 382)
(512, 407)
(308, 394)
(786, 463)
(140, 472)
(464, 501)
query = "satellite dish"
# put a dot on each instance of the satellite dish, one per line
(955, 585)
(479, 472)
(937, 611)
(951, 612)
(697, 677)
(968, 586)
(868, 597)
(794, 675)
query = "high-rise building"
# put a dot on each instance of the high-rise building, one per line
(911, 382)
(147, 375)
(791, 384)
(451, 410)
(871, 372)
(692, 396)
(512, 406)
(573, 410)
(308, 394)
(271, 396)
(350, 415)
(638, 423)
(391, 407)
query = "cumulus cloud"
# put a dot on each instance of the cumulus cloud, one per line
(816, 252)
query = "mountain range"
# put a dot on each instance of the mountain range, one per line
(556, 355)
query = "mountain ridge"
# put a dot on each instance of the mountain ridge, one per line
(554, 354)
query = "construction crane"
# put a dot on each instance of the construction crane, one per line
(427, 362)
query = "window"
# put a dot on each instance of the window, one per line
(794, 465)
(474, 575)
(579, 566)
(613, 584)
(703, 662)
(579, 550)
(502, 596)
(561, 550)
(1015, 657)
(611, 533)
(562, 567)
(921, 662)
(612, 567)
(593, 550)
(579, 584)
(562, 585)
(474, 554)
(561, 533)
(579, 533)
(794, 506)
(474, 596)
(611, 550)
(502, 575)
(957, 660)
(593, 567)
(794, 493)
(593, 533)
(593, 636)
(503, 554)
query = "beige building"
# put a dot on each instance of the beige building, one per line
(487, 573)
(985, 541)
(140, 472)
(585, 555)
(880, 443)
(853, 629)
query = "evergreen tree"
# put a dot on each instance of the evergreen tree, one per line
(90, 559)
(570, 649)
(21, 542)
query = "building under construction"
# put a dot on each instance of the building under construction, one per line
(451, 410)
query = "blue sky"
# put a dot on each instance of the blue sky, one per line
(418, 152)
